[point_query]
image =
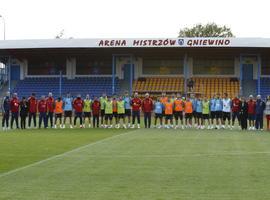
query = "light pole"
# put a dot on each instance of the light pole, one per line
(4, 22)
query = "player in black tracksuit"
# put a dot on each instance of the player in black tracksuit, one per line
(243, 114)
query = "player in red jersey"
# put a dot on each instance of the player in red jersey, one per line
(96, 111)
(32, 104)
(136, 104)
(14, 107)
(50, 105)
(42, 109)
(236, 106)
(251, 112)
(147, 108)
(78, 107)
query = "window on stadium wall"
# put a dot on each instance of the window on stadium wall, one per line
(93, 67)
(162, 67)
(46, 67)
(265, 67)
(213, 67)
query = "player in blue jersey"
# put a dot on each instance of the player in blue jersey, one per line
(198, 108)
(158, 110)
(194, 114)
(218, 111)
(67, 102)
(127, 100)
(213, 110)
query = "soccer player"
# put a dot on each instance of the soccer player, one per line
(23, 112)
(260, 107)
(267, 112)
(218, 111)
(198, 113)
(243, 113)
(42, 109)
(188, 113)
(102, 100)
(158, 109)
(108, 111)
(115, 115)
(50, 104)
(121, 112)
(147, 108)
(168, 113)
(193, 100)
(251, 112)
(205, 112)
(59, 104)
(212, 110)
(5, 112)
(163, 100)
(78, 107)
(178, 111)
(136, 107)
(14, 107)
(87, 110)
(226, 111)
(236, 104)
(127, 100)
(32, 103)
(67, 101)
(96, 112)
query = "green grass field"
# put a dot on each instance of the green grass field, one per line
(134, 164)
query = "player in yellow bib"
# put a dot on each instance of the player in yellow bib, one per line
(121, 112)
(108, 110)
(87, 110)
(102, 100)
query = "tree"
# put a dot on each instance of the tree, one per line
(207, 30)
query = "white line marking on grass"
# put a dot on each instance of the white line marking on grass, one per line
(64, 154)
(175, 155)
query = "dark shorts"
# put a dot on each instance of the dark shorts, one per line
(68, 113)
(194, 114)
(102, 113)
(58, 115)
(251, 117)
(205, 116)
(158, 115)
(226, 115)
(178, 115)
(115, 114)
(108, 116)
(188, 115)
(218, 114)
(128, 112)
(168, 117)
(87, 114)
(199, 115)
(213, 114)
(78, 114)
(163, 113)
(121, 116)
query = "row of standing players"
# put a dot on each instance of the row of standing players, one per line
(171, 112)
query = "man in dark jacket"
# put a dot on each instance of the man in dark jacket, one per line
(23, 112)
(260, 106)
(243, 113)
(6, 111)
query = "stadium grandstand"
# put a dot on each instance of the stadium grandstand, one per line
(238, 66)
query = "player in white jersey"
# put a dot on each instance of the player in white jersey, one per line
(226, 111)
